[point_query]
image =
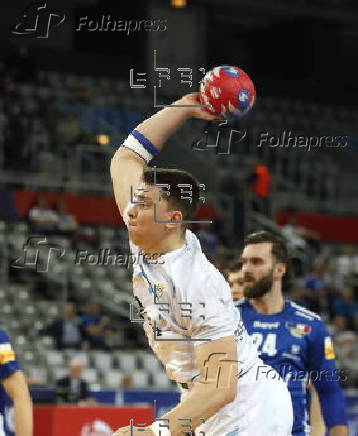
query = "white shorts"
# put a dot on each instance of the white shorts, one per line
(262, 407)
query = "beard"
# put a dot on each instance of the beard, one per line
(260, 287)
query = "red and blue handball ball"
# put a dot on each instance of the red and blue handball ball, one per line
(227, 91)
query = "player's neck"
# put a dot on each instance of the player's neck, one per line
(171, 243)
(271, 303)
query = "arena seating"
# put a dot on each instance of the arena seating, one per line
(62, 114)
(23, 309)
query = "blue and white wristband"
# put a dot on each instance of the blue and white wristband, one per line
(141, 145)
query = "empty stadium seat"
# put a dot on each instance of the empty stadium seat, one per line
(107, 233)
(140, 379)
(54, 79)
(103, 361)
(14, 324)
(28, 357)
(43, 92)
(126, 361)
(81, 356)
(24, 295)
(6, 309)
(39, 374)
(58, 372)
(113, 378)
(20, 227)
(70, 80)
(49, 309)
(55, 358)
(45, 342)
(30, 310)
(26, 90)
(149, 362)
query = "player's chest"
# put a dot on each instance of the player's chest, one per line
(151, 287)
(279, 338)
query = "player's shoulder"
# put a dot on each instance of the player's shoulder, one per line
(194, 273)
(302, 313)
(209, 280)
(193, 261)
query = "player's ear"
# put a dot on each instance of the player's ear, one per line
(281, 269)
(175, 217)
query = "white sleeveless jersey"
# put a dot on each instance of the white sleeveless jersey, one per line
(185, 302)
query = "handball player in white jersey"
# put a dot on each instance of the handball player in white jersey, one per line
(226, 389)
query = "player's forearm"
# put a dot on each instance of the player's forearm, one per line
(23, 416)
(199, 405)
(160, 126)
(16, 387)
(156, 129)
(338, 430)
(141, 146)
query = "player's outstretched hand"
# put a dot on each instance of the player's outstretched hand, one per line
(126, 431)
(195, 111)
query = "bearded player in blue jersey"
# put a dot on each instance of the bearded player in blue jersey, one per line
(15, 402)
(290, 338)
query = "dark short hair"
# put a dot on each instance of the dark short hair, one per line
(279, 251)
(278, 247)
(173, 178)
(234, 266)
